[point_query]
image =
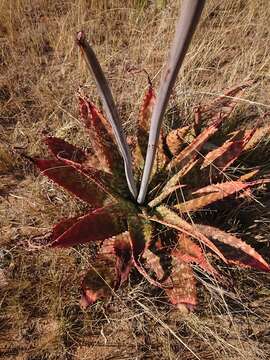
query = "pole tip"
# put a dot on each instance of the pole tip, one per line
(80, 37)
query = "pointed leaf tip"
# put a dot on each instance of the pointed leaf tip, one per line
(245, 255)
(61, 148)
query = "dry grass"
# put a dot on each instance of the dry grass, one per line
(41, 69)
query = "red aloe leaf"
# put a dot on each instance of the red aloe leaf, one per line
(63, 226)
(146, 109)
(84, 108)
(107, 247)
(119, 249)
(251, 258)
(97, 225)
(63, 149)
(219, 152)
(140, 234)
(202, 201)
(103, 180)
(215, 193)
(260, 134)
(161, 158)
(183, 290)
(142, 134)
(259, 182)
(122, 250)
(153, 261)
(225, 188)
(195, 146)
(101, 139)
(175, 140)
(188, 252)
(143, 126)
(71, 180)
(180, 286)
(140, 231)
(263, 181)
(98, 282)
(233, 150)
(218, 110)
(169, 218)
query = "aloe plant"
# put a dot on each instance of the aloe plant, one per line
(176, 186)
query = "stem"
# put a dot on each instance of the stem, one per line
(185, 28)
(109, 107)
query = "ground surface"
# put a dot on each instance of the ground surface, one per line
(41, 69)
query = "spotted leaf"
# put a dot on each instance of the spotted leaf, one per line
(73, 181)
(97, 225)
(249, 256)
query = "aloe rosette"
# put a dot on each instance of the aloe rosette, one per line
(174, 171)
(127, 233)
